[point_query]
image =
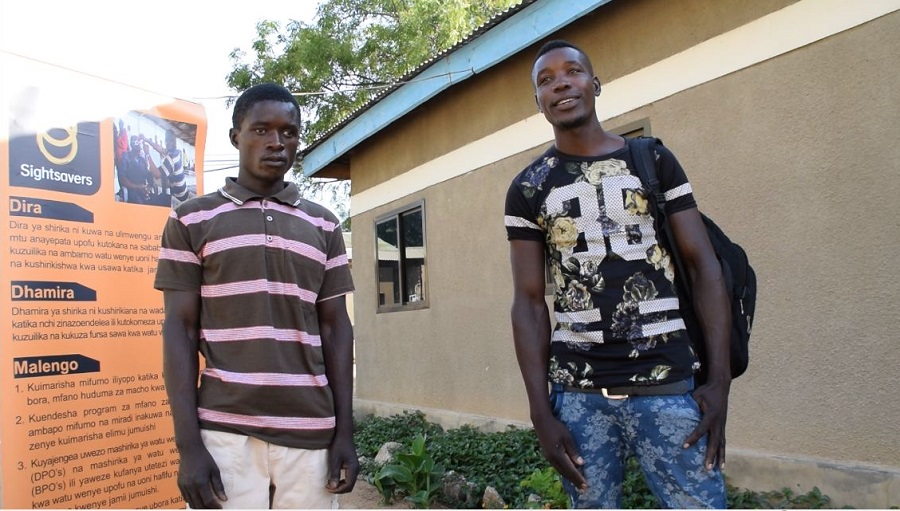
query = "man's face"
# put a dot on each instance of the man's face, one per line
(565, 87)
(267, 141)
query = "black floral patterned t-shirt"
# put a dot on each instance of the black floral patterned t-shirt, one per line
(616, 309)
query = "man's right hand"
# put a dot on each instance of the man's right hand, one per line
(559, 449)
(199, 480)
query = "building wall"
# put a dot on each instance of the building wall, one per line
(793, 156)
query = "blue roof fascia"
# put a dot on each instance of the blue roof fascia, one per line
(522, 29)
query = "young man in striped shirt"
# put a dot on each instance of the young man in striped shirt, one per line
(170, 168)
(254, 278)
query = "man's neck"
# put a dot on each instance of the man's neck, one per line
(588, 140)
(263, 188)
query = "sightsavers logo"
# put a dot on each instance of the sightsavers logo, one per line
(60, 159)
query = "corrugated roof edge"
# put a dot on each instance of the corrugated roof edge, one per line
(494, 21)
(550, 14)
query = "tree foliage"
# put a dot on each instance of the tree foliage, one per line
(353, 50)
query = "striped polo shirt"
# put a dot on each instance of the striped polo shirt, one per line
(260, 265)
(173, 167)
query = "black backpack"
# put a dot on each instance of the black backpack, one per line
(740, 279)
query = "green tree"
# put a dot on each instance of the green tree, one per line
(351, 52)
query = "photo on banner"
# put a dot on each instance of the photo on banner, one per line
(155, 160)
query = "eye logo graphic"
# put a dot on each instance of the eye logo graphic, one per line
(62, 159)
(71, 140)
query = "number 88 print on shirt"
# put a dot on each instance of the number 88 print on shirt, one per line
(616, 309)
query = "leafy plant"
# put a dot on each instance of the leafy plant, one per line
(784, 498)
(413, 473)
(372, 432)
(744, 499)
(547, 485)
(501, 459)
(506, 460)
(635, 492)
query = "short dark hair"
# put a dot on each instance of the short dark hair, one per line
(257, 93)
(560, 43)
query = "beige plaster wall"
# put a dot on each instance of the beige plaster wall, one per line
(795, 158)
(456, 354)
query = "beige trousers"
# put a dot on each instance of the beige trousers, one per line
(250, 466)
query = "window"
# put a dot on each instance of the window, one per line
(400, 255)
(640, 128)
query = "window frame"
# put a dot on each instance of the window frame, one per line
(640, 127)
(396, 215)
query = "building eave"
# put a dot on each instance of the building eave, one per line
(529, 25)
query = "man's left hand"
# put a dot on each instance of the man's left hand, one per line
(712, 398)
(343, 466)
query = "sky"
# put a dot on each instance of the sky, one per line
(175, 48)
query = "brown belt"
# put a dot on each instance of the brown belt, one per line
(666, 389)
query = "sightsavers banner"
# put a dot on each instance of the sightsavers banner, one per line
(90, 172)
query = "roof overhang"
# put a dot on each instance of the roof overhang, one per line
(532, 24)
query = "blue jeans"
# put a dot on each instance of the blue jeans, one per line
(653, 429)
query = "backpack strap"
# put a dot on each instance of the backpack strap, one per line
(643, 153)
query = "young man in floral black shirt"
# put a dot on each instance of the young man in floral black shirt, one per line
(619, 363)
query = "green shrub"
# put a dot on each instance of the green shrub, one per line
(507, 459)
(372, 432)
(413, 473)
(547, 485)
(502, 459)
(635, 492)
(777, 499)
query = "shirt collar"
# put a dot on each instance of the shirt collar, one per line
(239, 195)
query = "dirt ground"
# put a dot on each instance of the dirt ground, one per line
(366, 496)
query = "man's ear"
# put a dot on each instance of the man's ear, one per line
(232, 135)
(538, 103)
(596, 86)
